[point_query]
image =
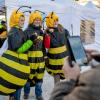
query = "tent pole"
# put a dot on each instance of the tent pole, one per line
(72, 29)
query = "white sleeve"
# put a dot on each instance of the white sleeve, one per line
(4, 47)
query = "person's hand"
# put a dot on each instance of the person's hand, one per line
(33, 37)
(71, 72)
(88, 53)
(51, 30)
(90, 50)
(92, 54)
(96, 56)
(95, 53)
(37, 41)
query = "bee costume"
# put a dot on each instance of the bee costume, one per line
(14, 67)
(35, 54)
(58, 49)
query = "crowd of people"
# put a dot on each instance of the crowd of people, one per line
(33, 50)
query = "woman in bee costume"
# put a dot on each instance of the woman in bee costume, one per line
(58, 47)
(14, 67)
(36, 52)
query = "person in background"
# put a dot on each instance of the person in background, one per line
(35, 55)
(76, 86)
(57, 50)
(4, 24)
(3, 34)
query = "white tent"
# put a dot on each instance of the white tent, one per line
(87, 12)
(77, 13)
(42, 5)
(69, 12)
(97, 25)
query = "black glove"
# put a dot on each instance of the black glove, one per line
(33, 37)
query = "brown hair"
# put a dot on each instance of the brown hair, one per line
(60, 28)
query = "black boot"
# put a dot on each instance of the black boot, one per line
(26, 96)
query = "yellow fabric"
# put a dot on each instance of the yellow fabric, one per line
(14, 18)
(51, 18)
(38, 76)
(31, 76)
(35, 15)
(21, 56)
(57, 50)
(40, 37)
(3, 34)
(12, 79)
(15, 65)
(6, 90)
(54, 71)
(35, 65)
(35, 54)
(56, 61)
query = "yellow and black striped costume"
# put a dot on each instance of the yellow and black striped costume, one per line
(57, 52)
(35, 54)
(14, 67)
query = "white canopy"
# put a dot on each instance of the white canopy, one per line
(75, 13)
(69, 12)
(42, 5)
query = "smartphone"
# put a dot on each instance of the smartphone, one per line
(77, 50)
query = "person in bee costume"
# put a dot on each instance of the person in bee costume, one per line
(14, 67)
(58, 50)
(36, 54)
(3, 34)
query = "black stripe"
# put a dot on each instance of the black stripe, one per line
(36, 59)
(55, 67)
(15, 59)
(39, 70)
(13, 71)
(61, 75)
(9, 85)
(33, 71)
(59, 55)
(36, 80)
(36, 48)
